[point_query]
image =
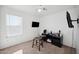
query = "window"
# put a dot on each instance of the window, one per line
(14, 25)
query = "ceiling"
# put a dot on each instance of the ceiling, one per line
(32, 9)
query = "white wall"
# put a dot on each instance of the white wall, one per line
(77, 32)
(28, 32)
(56, 22)
(77, 41)
(0, 26)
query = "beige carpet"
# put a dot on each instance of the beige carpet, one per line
(26, 48)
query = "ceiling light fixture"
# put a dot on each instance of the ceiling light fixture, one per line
(42, 9)
(39, 10)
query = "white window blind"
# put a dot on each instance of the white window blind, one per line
(14, 25)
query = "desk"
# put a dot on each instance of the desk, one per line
(55, 40)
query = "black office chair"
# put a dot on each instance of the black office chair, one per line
(44, 34)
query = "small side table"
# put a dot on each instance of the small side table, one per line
(37, 41)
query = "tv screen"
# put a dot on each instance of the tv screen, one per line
(35, 24)
(70, 25)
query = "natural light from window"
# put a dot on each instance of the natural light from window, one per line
(14, 25)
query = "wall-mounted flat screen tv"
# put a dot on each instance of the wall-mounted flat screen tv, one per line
(35, 24)
(70, 25)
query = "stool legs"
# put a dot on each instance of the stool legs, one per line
(42, 43)
(33, 43)
(37, 42)
(39, 46)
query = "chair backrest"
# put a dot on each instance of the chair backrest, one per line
(44, 31)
